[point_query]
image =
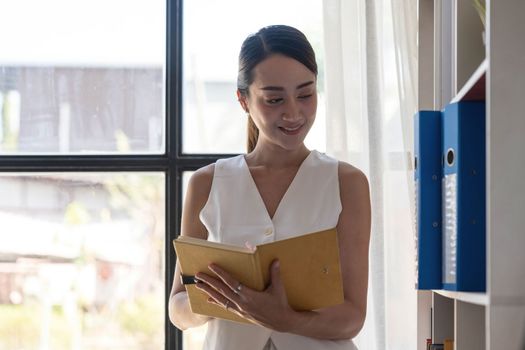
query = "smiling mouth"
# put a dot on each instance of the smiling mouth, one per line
(291, 131)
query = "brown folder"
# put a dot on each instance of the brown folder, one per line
(310, 269)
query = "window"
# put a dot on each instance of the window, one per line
(82, 254)
(105, 111)
(86, 179)
(82, 77)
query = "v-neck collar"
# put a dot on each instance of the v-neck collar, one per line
(286, 193)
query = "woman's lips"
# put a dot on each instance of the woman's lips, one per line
(291, 130)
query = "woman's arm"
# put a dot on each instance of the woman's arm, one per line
(196, 196)
(271, 309)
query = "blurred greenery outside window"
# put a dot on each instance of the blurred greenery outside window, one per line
(82, 261)
(82, 254)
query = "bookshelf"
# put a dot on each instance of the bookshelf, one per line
(456, 63)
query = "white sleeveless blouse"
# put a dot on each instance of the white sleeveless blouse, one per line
(235, 214)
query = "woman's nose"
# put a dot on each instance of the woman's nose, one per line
(291, 112)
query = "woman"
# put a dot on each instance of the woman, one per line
(279, 189)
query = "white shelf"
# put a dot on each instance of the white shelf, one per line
(469, 297)
(463, 70)
(474, 88)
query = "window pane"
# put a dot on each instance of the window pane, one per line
(82, 76)
(82, 261)
(213, 33)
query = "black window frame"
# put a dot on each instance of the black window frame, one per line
(173, 163)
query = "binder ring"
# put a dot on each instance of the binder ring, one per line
(451, 157)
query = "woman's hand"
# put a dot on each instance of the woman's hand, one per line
(268, 308)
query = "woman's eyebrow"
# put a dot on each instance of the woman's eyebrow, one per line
(280, 88)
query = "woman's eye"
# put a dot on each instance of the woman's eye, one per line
(273, 101)
(304, 97)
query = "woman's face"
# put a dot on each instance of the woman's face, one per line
(282, 101)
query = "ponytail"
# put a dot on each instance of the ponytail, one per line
(253, 134)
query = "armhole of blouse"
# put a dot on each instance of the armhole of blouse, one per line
(207, 204)
(338, 184)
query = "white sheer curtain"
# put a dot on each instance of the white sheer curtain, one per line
(371, 62)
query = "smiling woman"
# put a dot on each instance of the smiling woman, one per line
(277, 76)
(266, 195)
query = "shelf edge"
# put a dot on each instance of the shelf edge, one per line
(469, 297)
(479, 73)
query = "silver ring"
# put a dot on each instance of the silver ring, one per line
(237, 290)
(227, 305)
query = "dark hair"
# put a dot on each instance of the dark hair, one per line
(275, 39)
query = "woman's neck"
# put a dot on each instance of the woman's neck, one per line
(271, 156)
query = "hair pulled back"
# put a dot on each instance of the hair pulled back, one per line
(275, 39)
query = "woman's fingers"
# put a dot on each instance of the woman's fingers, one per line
(233, 308)
(231, 282)
(220, 291)
(220, 300)
(275, 272)
(216, 284)
(215, 294)
(257, 307)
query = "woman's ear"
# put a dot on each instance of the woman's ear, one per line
(242, 101)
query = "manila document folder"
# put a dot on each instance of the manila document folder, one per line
(310, 269)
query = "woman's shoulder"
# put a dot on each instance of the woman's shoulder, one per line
(346, 171)
(200, 181)
(203, 177)
(351, 177)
